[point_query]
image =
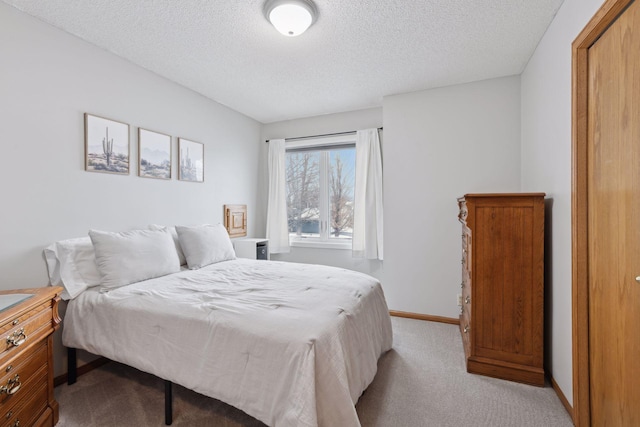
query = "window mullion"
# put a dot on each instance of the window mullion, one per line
(324, 195)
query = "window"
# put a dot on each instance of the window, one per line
(320, 189)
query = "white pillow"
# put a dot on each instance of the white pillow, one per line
(133, 256)
(71, 264)
(174, 235)
(205, 244)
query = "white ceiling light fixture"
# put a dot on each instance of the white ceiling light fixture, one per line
(291, 17)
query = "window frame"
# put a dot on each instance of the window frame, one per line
(324, 145)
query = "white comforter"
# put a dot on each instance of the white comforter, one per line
(289, 344)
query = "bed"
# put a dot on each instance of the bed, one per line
(289, 344)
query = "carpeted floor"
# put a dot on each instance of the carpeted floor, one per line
(421, 382)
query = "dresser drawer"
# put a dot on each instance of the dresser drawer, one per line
(466, 302)
(23, 330)
(18, 374)
(29, 409)
(465, 325)
(25, 396)
(466, 280)
(46, 419)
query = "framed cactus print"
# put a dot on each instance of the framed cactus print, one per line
(190, 160)
(106, 144)
(154, 154)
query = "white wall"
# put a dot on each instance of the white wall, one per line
(546, 166)
(439, 145)
(48, 79)
(330, 123)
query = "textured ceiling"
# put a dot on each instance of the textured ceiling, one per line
(356, 52)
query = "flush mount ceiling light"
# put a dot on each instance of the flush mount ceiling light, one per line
(290, 17)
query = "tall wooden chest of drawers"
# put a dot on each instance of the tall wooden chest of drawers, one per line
(26, 357)
(502, 313)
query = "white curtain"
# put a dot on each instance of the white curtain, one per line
(277, 230)
(367, 216)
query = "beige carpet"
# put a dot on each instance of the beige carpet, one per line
(420, 382)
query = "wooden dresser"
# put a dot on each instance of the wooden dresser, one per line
(26, 358)
(502, 312)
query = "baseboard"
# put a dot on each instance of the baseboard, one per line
(562, 397)
(61, 379)
(427, 317)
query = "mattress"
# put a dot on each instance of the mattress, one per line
(289, 344)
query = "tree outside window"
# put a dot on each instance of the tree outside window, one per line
(320, 188)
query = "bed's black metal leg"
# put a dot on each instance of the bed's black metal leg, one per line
(72, 366)
(168, 409)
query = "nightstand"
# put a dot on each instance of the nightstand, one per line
(252, 248)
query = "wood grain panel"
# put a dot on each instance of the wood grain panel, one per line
(506, 262)
(512, 321)
(604, 17)
(613, 222)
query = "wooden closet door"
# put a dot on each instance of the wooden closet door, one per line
(614, 223)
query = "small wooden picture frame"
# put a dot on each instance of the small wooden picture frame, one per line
(235, 220)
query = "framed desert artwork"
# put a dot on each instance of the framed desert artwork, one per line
(154, 154)
(106, 144)
(190, 160)
(235, 220)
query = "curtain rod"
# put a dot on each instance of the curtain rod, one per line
(320, 136)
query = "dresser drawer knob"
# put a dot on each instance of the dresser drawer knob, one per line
(12, 387)
(466, 329)
(9, 415)
(467, 299)
(17, 338)
(16, 424)
(15, 322)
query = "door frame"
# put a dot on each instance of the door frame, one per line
(597, 26)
